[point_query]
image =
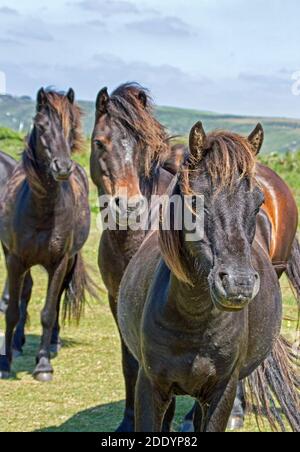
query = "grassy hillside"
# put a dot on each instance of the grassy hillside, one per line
(87, 393)
(281, 134)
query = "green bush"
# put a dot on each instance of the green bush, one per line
(8, 134)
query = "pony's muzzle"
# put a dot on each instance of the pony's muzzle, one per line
(234, 290)
(62, 169)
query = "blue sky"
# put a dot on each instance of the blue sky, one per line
(234, 56)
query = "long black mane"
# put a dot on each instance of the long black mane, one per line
(131, 107)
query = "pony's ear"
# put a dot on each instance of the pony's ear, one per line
(71, 95)
(256, 138)
(102, 101)
(197, 142)
(142, 96)
(41, 99)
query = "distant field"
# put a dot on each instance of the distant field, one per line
(87, 393)
(281, 134)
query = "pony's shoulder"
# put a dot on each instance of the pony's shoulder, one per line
(16, 180)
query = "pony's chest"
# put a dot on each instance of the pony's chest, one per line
(38, 244)
(192, 365)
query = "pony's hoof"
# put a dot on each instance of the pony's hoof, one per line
(43, 377)
(55, 349)
(17, 354)
(187, 427)
(235, 423)
(4, 375)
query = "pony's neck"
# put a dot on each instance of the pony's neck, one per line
(44, 189)
(190, 296)
(192, 302)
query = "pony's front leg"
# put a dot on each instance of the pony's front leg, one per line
(237, 418)
(16, 274)
(151, 405)
(44, 371)
(220, 409)
(130, 372)
(56, 343)
(19, 336)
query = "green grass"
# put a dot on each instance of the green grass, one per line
(87, 393)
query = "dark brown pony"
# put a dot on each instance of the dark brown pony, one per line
(129, 148)
(7, 166)
(201, 315)
(45, 220)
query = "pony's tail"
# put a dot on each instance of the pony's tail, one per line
(274, 388)
(293, 272)
(77, 285)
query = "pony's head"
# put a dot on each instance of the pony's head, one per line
(56, 133)
(221, 168)
(128, 143)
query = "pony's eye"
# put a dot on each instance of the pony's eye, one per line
(99, 145)
(262, 201)
(41, 129)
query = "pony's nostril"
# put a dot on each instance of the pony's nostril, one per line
(62, 166)
(69, 166)
(223, 276)
(117, 201)
(55, 164)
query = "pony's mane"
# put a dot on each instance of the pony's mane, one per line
(138, 121)
(69, 114)
(170, 241)
(226, 158)
(30, 167)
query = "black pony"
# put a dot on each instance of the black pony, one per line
(201, 315)
(45, 220)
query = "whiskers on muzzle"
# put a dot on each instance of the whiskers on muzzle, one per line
(233, 290)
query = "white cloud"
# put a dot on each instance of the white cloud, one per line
(8, 11)
(108, 7)
(164, 26)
